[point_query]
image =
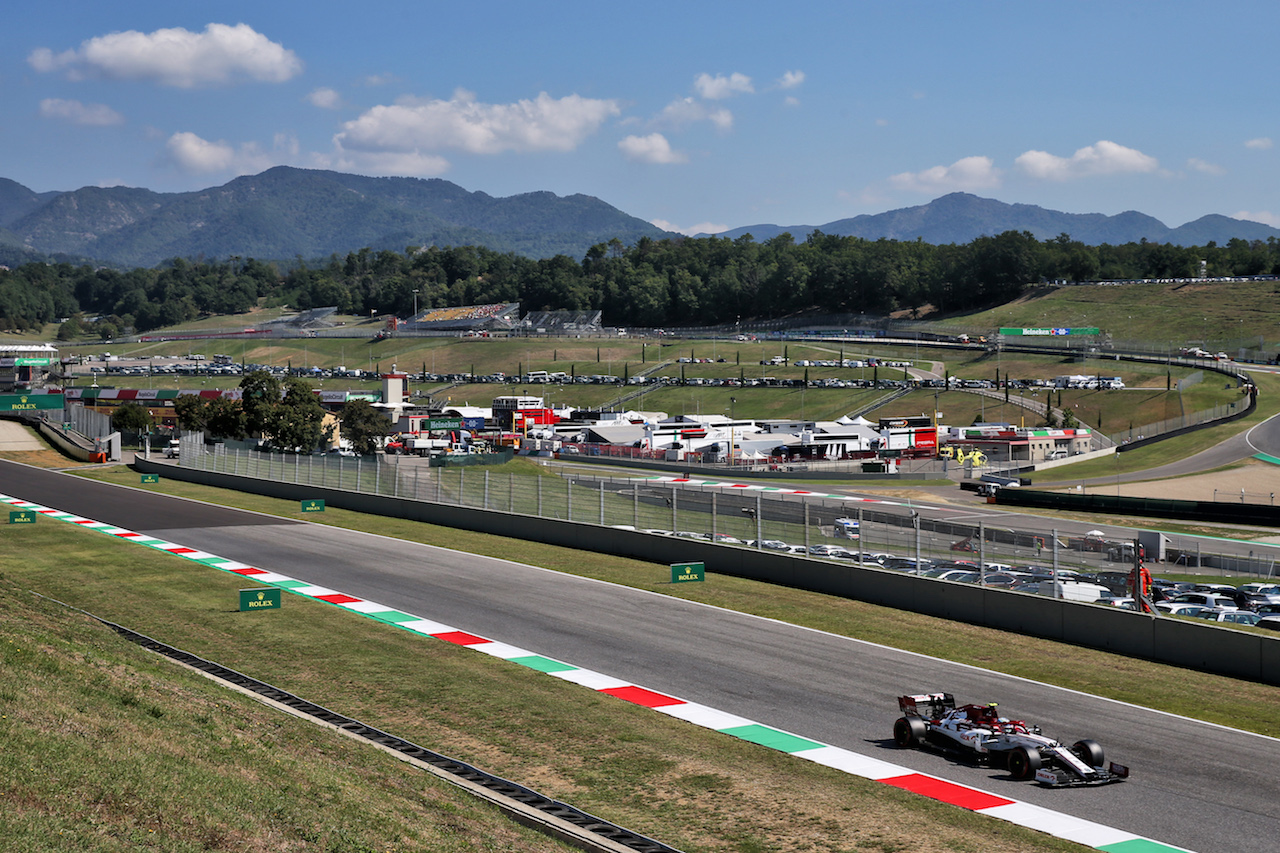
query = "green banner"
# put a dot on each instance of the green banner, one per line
(150, 478)
(436, 424)
(22, 516)
(1052, 331)
(260, 599)
(29, 402)
(685, 572)
(313, 505)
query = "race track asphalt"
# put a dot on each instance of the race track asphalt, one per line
(1195, 785)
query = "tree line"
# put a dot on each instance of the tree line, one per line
(674, 281)
(286, 412)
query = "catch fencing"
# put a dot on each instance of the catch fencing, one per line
(731, 514)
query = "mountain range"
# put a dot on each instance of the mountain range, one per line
(286, 213)
(963, 217)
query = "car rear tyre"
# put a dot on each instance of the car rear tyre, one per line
(1089, 752)
(908, 732)
(1024, 762)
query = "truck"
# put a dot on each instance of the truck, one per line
(426, 446)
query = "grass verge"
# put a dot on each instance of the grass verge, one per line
(110, 748)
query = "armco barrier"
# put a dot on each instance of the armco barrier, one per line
(1221, 511)
(1239, 654)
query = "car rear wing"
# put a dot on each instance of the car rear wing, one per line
(930, 705)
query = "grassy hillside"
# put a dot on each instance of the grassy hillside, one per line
(1225, 315)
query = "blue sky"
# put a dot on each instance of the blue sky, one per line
(694, 116)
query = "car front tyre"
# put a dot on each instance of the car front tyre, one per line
(1089, 752)
(1024, 762)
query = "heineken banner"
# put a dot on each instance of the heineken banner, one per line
(439, 424)
(1087, 330)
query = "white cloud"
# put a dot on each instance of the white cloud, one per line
(93, 115)
(653, 148)
(1262, 143)
(195, 155)
(403, 138)
(176, 57)
(1263, 216)
(1101, 158)
(324, 98)
(722, 119)
(719, 86)
(678, 114)
(1204, 166)
(790, 80)
(700, 228)
(969, 173)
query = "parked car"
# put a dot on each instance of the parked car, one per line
(1204, 599)
(827, 550)
(1236, 617)
(1170, 609)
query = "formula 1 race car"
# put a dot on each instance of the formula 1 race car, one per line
(979, 733)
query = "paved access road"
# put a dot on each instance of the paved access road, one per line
(1195, 785)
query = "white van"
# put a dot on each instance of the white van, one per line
(1075, 591)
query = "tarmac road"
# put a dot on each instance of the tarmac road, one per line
(1261, 438)
(1195, 785)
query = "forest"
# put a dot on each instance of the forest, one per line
(667, 282)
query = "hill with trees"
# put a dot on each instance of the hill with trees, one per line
(962, 217)
(667, 282)
(286, 213)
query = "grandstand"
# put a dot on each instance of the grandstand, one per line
(561, 322)
(499, 317)
(314, 318)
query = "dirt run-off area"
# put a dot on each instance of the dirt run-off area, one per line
(15, 436)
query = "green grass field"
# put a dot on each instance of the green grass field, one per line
(1221, 314)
